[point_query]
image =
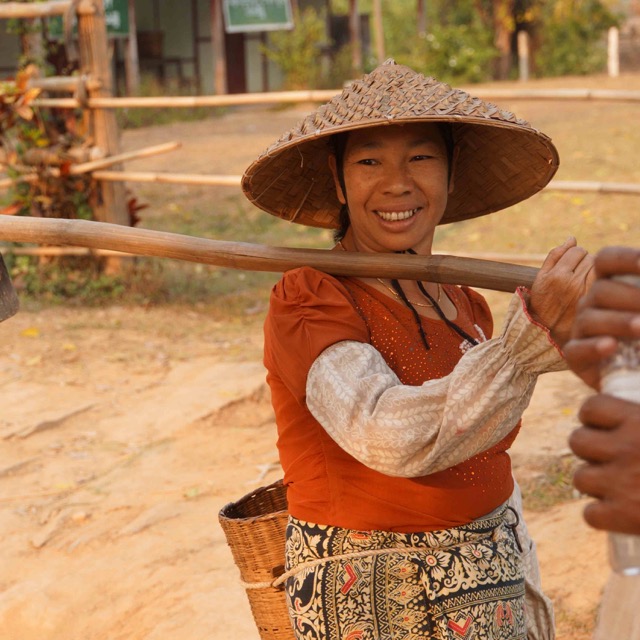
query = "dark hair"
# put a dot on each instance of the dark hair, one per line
(338, 144)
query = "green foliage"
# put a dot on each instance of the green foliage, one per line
(22, 129)
(456, 48)
(65, 280)
(453, 53)
(297, 51)
(459, 43)
(572, 38)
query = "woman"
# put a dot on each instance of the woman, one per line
(394, 409)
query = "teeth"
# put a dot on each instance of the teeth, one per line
(392, 216)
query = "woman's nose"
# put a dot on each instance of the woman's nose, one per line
(397, 180)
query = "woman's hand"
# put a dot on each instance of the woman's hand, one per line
(563, 279)
(610, 310)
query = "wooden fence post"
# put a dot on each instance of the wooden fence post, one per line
(523, 56)
(132, 62)
(613, 52)
(95, 61)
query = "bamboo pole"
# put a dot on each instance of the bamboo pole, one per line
(57, 252)
(514, 258)
(34, 10)
(241, 255)
(69, 84)
(101, 163)
(7, 183)
(169, 178)
(212, 180)
(278, 97)
(595, 187)
(109, 161)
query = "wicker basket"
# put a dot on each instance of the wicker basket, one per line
(255, 530)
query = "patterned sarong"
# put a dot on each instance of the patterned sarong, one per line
(464, 583)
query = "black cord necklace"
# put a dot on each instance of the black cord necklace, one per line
(452, 325)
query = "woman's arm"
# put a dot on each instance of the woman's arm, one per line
(412, 431)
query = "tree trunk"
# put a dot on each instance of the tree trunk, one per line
(132, 63)
(355, 37)
(503, 28)
(421, 17)
(379, 30)
(218, 48)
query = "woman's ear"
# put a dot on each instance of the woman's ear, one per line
(333, 165)
(454, 166)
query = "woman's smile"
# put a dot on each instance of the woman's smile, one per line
(393, 216)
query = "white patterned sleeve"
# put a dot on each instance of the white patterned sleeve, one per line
(410, 431)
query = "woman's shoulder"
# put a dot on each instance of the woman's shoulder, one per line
(306, 284)
(309, 311)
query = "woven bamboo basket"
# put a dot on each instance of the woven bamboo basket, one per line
(255, 530)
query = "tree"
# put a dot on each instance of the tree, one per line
(498, 17)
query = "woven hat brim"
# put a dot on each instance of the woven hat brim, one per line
(499, 164)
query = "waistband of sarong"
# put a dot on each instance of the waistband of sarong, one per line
(360, 544)
(345, 540)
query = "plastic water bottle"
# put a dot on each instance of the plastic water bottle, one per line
(621, 378)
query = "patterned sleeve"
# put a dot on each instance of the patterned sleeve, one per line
(411, 431)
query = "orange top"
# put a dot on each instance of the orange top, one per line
(309, 312)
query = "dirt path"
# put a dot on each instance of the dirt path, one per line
(118, 449)
(124, 431)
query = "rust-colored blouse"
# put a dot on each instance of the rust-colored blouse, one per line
(311, 311)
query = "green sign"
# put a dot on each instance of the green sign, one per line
(257, 15)
(116, 15)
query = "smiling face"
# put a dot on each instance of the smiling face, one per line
(396, 183)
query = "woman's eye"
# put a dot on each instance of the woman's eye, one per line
(422, 156)
(367, 162)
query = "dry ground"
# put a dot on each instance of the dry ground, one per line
(125, 430)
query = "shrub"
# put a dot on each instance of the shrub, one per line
(453, 53)
(296, 52)
(572, 38)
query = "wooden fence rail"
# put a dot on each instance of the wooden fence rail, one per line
(284, 97)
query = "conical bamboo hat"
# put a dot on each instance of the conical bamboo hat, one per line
(502, 160)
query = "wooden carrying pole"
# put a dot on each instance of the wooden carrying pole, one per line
(483, 274)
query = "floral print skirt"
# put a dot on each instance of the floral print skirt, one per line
(464, 583)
